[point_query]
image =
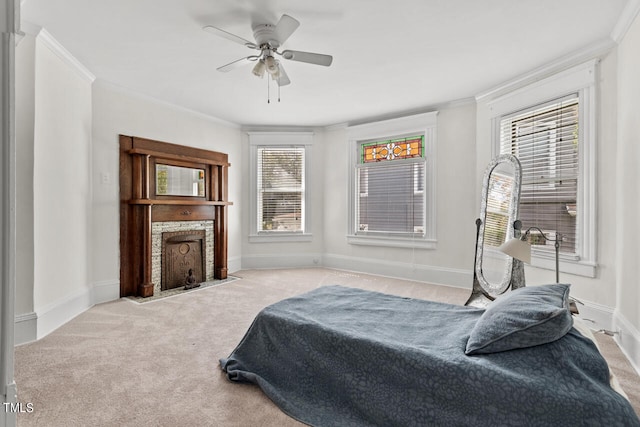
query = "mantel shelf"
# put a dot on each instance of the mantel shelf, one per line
(178, 202)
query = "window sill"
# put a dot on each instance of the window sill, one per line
(547, 260)
(392, 242)
(280, 237)
(568, 265)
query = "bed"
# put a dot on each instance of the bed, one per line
(340, 356)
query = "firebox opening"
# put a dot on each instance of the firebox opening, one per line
(183, 251)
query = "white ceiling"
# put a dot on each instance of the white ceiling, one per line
(390, 57)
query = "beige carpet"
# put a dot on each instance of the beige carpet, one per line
(156, 364)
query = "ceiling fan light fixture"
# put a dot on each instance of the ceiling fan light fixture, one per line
(268, 38)
(272, 64)
(259, 69)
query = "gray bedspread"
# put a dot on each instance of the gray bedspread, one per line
(340, 356)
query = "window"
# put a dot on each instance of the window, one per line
(550, 126)
(392, 182)
(390, 187)
(280, 209)
(545, 140)
(280, 188)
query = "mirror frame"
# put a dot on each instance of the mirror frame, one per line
(513, 274)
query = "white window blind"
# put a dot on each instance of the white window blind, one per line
(546, 141)
(390, 197)
(280, 189)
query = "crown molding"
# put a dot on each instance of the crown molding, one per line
(143, 97)
(54, 46)
(595, 51)
(628, 15)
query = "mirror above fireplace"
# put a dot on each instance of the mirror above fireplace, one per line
(179, 181)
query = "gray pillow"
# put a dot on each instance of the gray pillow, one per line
(524, 317)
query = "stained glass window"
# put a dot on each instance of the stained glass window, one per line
(393, 149)
(391, 195)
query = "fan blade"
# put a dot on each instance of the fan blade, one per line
(227, 35)
(233, 65)
(311, 58)
(282, 79)
(285, 27)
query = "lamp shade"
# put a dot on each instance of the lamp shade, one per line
(259, 69)
(272, 64)
(518, 249)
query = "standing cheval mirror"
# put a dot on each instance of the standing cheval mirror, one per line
(494, 272)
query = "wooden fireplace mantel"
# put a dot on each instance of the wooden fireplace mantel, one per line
(140, 206)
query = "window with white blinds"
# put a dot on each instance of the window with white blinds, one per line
(390, 180)
(391, 198)
(280, 189)
(545, 139)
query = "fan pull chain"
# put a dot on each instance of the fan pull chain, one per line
(269, 91)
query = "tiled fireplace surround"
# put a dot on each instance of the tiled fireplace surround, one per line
(157, 228)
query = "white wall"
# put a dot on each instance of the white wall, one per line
(25, 113)
(68, 192)
(451, 262)
(287, 254)
(61, 180)
(612, 297)
(599, 290)
(626, 221)
(116, 112)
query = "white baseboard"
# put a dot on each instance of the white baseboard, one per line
(25, 328)
(435, 275)
(409, 271)
(59, 312)
(234, 264)
(281, 260)
(422, 273)
(35, 325)
(105, 291)
(600, 317)
(597, 316)
(628, 339)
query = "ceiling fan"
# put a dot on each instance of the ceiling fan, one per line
(268, 38)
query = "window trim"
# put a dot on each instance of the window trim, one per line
(423, 124)
(273, 140)
(580, 80)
